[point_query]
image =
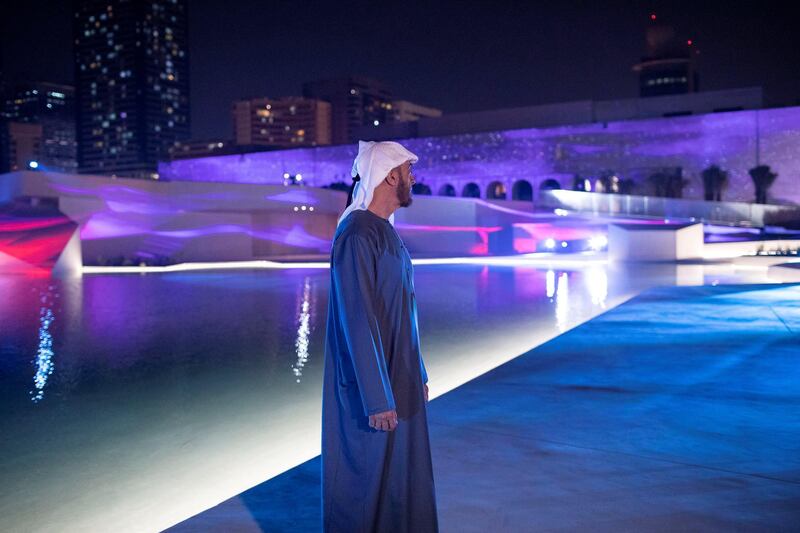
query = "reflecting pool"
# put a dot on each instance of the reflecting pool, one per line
(131, 402)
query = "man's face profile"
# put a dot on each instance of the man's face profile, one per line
(404, 185)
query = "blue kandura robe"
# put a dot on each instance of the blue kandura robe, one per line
(372, 480)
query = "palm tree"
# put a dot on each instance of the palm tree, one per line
(676, 183)
(668, 183)
(659, 181)
(763, 178)
(714, 180)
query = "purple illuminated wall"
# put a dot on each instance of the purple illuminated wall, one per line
(129, 221)
(736, 141)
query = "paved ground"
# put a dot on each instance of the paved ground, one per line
(677, 411)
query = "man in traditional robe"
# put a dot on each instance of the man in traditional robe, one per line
(377, 474)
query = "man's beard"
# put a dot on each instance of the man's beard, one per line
(404, 194)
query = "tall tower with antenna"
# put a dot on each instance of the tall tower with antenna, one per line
(668, 66)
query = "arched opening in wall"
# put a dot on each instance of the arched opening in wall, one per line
(549, 185)
(421, 189)
(447, 190)
(522, 190)
(496, 191)
(471, 190)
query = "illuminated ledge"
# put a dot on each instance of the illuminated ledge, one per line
(533, 259)
(515, 260)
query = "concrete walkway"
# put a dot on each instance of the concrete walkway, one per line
(677, 411)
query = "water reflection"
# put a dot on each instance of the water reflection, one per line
(597, 283)
(44, 355)
(303, 329)
(562, 302)
(183, 377)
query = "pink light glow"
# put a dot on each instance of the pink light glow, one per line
(32, 244)
(524, 246)
(543, 230)
(428, 227)
(480, 248)
(25, 224)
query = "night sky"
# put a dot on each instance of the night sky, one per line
(457, 56)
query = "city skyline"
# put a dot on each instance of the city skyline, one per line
(132, 87)
(480, 46)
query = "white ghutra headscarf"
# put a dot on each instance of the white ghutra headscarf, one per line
(372, 164)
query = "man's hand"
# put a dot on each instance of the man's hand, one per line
(385, 421)
(426, 391)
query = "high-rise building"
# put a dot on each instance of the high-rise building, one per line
(285, 122)
(404, 111)
(52, 108)
(132, 84)
(355, 102)
(668, 67)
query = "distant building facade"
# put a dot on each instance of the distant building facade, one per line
(51, 108)
(24, 145)
(132, 84)
(199, 148)
(283, 122)
(4, 163)
(356, 101)
(569, 113)
(405, 111)
(194, 148)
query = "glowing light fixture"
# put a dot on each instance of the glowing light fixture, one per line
(549, 244)
(532, 260)
(33, 164)
(598, 242)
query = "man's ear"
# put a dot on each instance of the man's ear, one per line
(392, 177)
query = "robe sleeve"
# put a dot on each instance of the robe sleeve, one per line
(354, 276)
(422, 370)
